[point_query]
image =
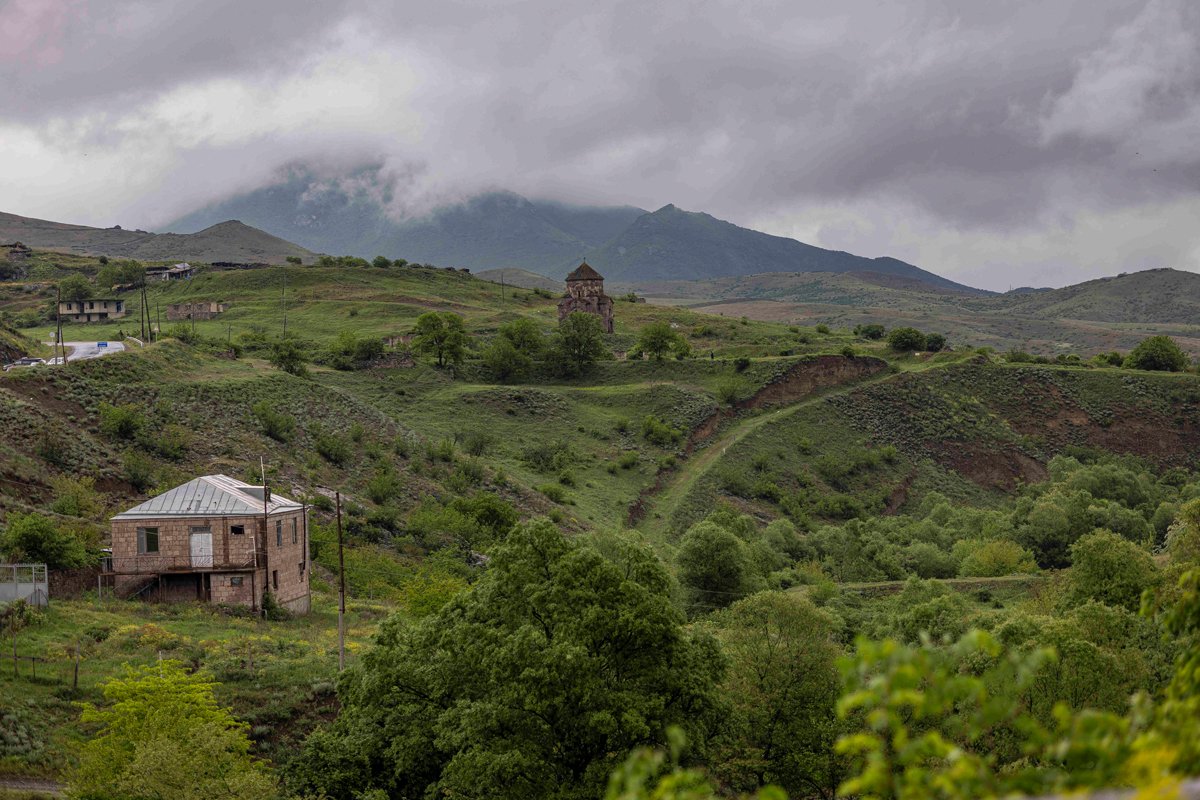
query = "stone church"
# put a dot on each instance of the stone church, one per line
(585, 292)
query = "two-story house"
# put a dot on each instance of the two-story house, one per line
(94, 310)
(214, 539)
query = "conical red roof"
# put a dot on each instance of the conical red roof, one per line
(584, 273)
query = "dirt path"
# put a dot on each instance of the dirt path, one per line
(876, 588)
(32, 787)
(666, 496)
(718, 435)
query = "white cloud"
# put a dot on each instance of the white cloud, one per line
(965, 137)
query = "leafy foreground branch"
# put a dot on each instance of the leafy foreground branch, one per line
(955, 722)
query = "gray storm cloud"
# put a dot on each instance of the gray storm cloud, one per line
(996, 143)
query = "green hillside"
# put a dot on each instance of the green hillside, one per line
(1092, 317)
(225, 241)
(874, 493)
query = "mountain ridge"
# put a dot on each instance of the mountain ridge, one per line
(502, 230)
(229, 240)
(671, 243)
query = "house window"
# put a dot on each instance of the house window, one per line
(301, 570)
(275, 579)
(294, 537)
(236, 581)
(147, 540)
(237, 530)
(279, 533)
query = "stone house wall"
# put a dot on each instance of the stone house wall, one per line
(278, 567)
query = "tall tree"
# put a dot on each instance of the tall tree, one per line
(75, 287)
(657, 339)
(443, 335)
(578, 344)
(782, 684)
(535, 683)
(525, 336)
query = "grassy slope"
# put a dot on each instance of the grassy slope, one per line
(227, 241)
(968, 430)
(1100, 315)
(933, 411)
(277, 676)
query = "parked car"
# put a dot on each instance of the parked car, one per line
(25, 362)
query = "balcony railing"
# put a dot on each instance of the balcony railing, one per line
(154, 564)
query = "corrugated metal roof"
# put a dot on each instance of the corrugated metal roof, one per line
(210, 496)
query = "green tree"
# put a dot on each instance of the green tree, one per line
(578, 343)
(713, 566)
(525, 336)
(906, 340)
(994, 558)
(1183, 538)
(381, 262)
(161, 735)
(441, 334)
(1159, 353)
(505, 363)
(652, 774)
(289, 356)
(657, 339)
(296, 260)
(935, 342)
(121, 273)
(75, 287)
(872, 331)
(782, 683)
(1109, 569)
(534, 683)
(32, 537)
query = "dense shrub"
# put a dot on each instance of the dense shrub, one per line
(655, 431)
(871, 331)
(1109, 569)
(138, 470)
(1158, 353)
(121, 422)
(37, 539)
(275, 424)
(994, 559)
(906, 340)
(546, 456)
(333, 448)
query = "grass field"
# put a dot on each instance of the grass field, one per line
(277, 676)
(400, 439)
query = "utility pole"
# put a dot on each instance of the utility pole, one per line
(502, 286)
(58, 324)
(341, 589)
(158, 317)
(262, 466)
(283, 300)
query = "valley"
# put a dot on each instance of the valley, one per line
(888, 492)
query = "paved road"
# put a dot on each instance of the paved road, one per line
(80, 351)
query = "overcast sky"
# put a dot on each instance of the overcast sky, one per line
(997, 143)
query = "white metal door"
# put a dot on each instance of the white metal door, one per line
(202, 552)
